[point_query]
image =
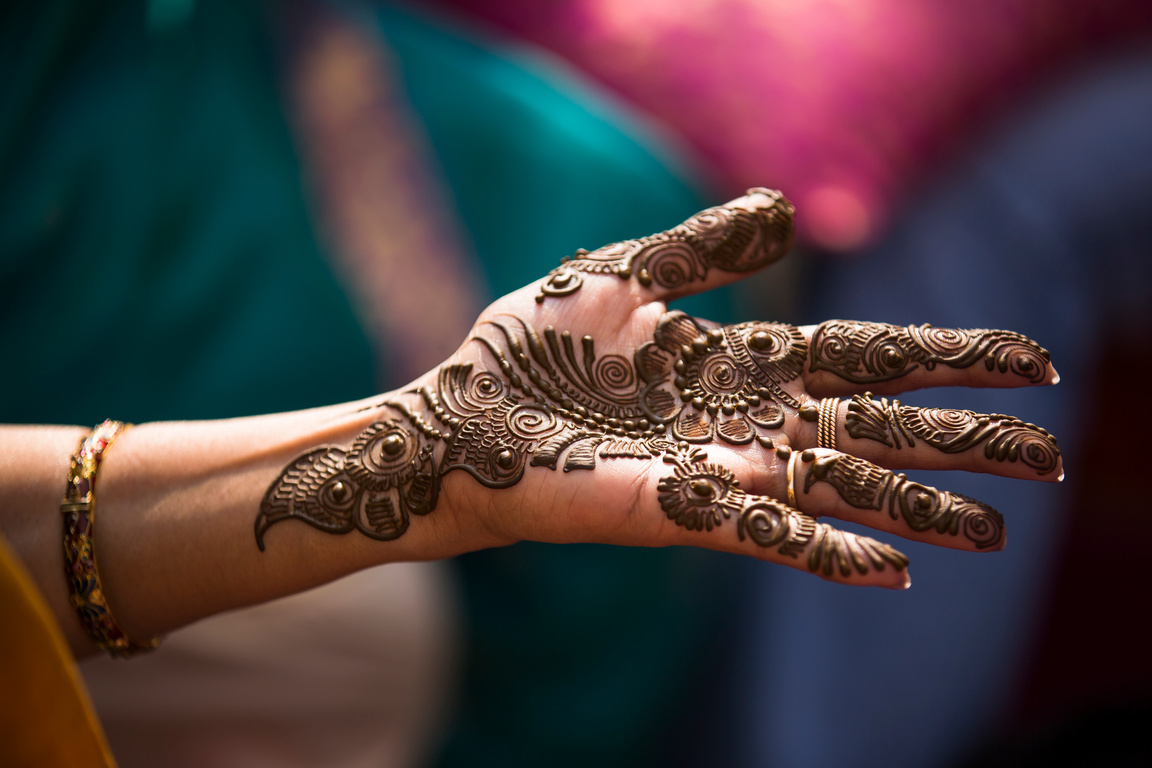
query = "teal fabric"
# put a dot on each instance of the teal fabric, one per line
(577, 655)
(539, 163)
(156, 258)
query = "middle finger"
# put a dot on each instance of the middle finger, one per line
(901, 436)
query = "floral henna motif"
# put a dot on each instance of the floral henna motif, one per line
(732, 238)
(866, 353)
(865, 486)
(723, 383)
(699, 495)
(1005, 438)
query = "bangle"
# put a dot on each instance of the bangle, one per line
(79, 511)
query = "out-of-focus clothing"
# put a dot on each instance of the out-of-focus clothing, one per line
(174, 244)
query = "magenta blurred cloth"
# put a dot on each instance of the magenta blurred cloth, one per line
(840, 103)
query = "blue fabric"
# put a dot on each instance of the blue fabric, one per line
(1044, 230)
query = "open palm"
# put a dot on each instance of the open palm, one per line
(581, 409)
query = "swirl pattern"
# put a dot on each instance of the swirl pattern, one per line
(944, 343)
(979, 523)
(866, 353)
(533, 422)
(671, 265)
(614, 374)
(863, 485)
(720, 374)
(742, 236)
(765, 522)
(710, 225)
(952, 431)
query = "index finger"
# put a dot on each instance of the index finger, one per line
(716, 246)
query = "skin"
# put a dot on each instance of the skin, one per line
(178, 502)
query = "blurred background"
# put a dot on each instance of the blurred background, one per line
(223, 208)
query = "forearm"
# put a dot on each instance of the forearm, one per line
(176, 507)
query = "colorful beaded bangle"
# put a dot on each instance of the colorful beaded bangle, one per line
(79, 510)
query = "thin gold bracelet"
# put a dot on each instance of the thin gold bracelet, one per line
(79, 511)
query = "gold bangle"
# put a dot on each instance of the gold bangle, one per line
(79, 511)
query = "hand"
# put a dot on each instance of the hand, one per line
(581, 409)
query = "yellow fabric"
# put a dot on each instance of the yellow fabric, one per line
(45, 717)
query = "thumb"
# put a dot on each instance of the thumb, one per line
(717, 246)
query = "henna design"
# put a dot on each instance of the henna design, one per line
(948, 430)
(551, 400)
(842, 551)
(700, 496)
(732, 238)
(866, 353)
(551, 403)
(555, 401)
(865, 486)
(697, 496)
(582, 386)
(374, 487)
(723, 383)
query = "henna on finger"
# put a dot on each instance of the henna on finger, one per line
(868, 353)
(732, 238)
(700, 495)
(863, 485)
(950, 430)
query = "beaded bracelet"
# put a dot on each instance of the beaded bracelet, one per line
(79, 511)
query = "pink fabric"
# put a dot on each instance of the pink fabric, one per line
(839, 103)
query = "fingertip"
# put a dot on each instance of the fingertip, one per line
(762, 197)
(1055, 378)
(1061, 478)
(899, 582)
